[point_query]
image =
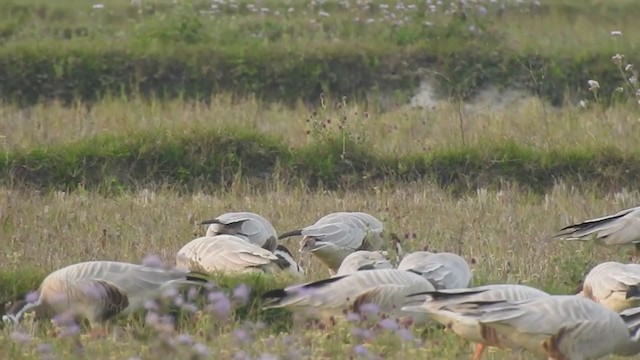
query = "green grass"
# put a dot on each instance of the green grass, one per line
(67, 51)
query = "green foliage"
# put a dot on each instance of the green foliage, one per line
(213, 158)
(195, 71)
(14, 286)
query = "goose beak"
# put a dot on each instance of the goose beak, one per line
(208, 222)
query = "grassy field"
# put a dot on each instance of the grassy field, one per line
(399, 129)
(547, 27)
(505, 234)
(505, 231)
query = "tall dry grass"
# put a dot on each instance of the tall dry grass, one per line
(526, 120)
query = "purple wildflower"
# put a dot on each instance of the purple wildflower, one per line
(360, 350)
(65, 318)
(242, 336)
(32, 297)
(405, 334)
(353, 317)
(388, 324)
(20, 337)
(267, 356)
(184, 339)
(201, 349)
(369, 308)
(241, 293)
(153, 261)
(70, 330)
(241, 355)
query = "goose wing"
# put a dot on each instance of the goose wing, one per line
(445, 269)
(620, 228)
(223, 253)
(340, 234)
(385, 288)
(246, 225)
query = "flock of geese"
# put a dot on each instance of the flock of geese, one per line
(602, 318)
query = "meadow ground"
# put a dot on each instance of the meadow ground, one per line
(506, 233)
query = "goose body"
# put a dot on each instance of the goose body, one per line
(440, 307)
(227, 253)
(556, 327)
(363, 260)
(614, 285)
(617, 229)
(249, 226)
(99, 290)
(334, 236)
(386, 288)
(447, 270)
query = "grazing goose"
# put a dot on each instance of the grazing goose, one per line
(386, 288)
(556, 327)
(617, 229)
(227, 253)
(447, 270)
(332, 243)
(614, 285)
(246, 225)
(100, 290)
(363, 260)
(437, 305)
(336, 235)
(287, 262)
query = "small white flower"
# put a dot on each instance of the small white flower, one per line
(620, 89)
(290, 10)
(617, 58)
(98, 6)
(323, 13)
(633, 80)
(638, 93)
(616, 33)
(583, 103)
(628, 67)
(593, 85)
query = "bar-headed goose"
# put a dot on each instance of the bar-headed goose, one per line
(100, 290)
(439, 306)
(617, 229)
(363, 260)
(246, 225)
(447, 270)
(385, 288)
(336, 235)
(614, 285)
(556, 327)
(227, 253)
